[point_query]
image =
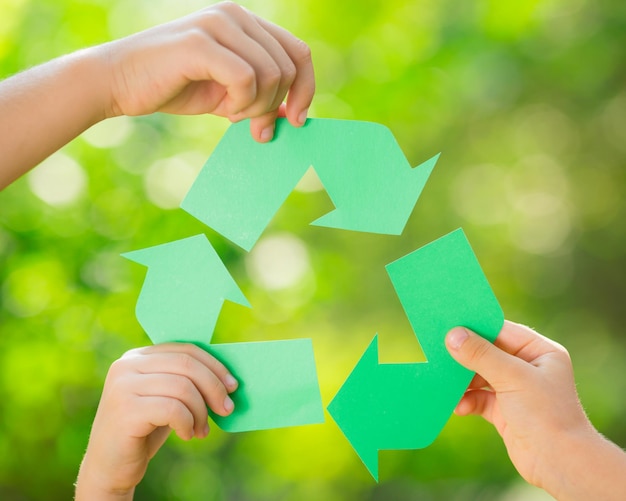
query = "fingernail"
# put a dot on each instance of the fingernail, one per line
(229, 405)
(302, 116)
(231, 382)
(267, 133)
(206, 429)
(456, 337)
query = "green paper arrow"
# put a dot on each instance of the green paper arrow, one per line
(181, 298)
(405, 406)
(362, 168)
(185, 288)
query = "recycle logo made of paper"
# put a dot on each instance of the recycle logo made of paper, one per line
(374, 189)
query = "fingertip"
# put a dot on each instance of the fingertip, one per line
(456, 338)
(266, 134)
(303, 116)
(186, 434)
(463, 408)
(231, 383)
(201, 430)
(229, 405)
(205, 431)
(262, 128)
(298, 119)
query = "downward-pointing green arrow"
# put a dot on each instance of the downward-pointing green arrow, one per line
(185, 288)
(405, 406)
(362, 168)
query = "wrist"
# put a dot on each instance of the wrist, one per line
(585, 466)
(96, 68)
(93, 485)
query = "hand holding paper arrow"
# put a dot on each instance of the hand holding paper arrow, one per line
(405, 406)
(185, 288)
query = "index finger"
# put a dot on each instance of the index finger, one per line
(208, 360)
(523, 342)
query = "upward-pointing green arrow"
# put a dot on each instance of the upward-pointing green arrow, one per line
(181, 298)
(185, 288)
(362, 168)
(405, 406)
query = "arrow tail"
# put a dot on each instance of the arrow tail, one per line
(244, 183)
(278, 384)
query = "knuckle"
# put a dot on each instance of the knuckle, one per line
(185, 362)
(563, 354)
(289, 73)
(302, 52)
(216, 366)
(183, 388)
(230, 8)
(214, 19)
(479, 350)
(136, 351)
(216, 388)
(195, 39)
(174, 410)
(119, 367)
(273, 75)
(246, 77)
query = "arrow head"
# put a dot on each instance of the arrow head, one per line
(369, 180)
(184, 290)
(141, 256)
(405, 406)
(352, 406)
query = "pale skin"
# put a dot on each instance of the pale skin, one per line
(226, 61)
(148, 393)
(222, 60)
(525, 387)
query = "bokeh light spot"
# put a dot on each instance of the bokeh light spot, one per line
(278, 262)
(59, 180)
(167, 181)
(109, 133)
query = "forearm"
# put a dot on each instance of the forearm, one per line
(45, 107)
(587, 467)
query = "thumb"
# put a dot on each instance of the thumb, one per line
(479, 355)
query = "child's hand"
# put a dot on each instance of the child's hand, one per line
(222, 60)
(147, 393)
(525, 387)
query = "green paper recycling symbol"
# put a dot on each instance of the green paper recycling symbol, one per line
(373, 189)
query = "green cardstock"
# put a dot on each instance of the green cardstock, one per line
(277, 384)
(362, 168)
(405, 406)
(185, 288)
(181, 298)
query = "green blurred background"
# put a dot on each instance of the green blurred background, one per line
(527, 103)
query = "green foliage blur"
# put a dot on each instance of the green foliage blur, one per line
(527, 103)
